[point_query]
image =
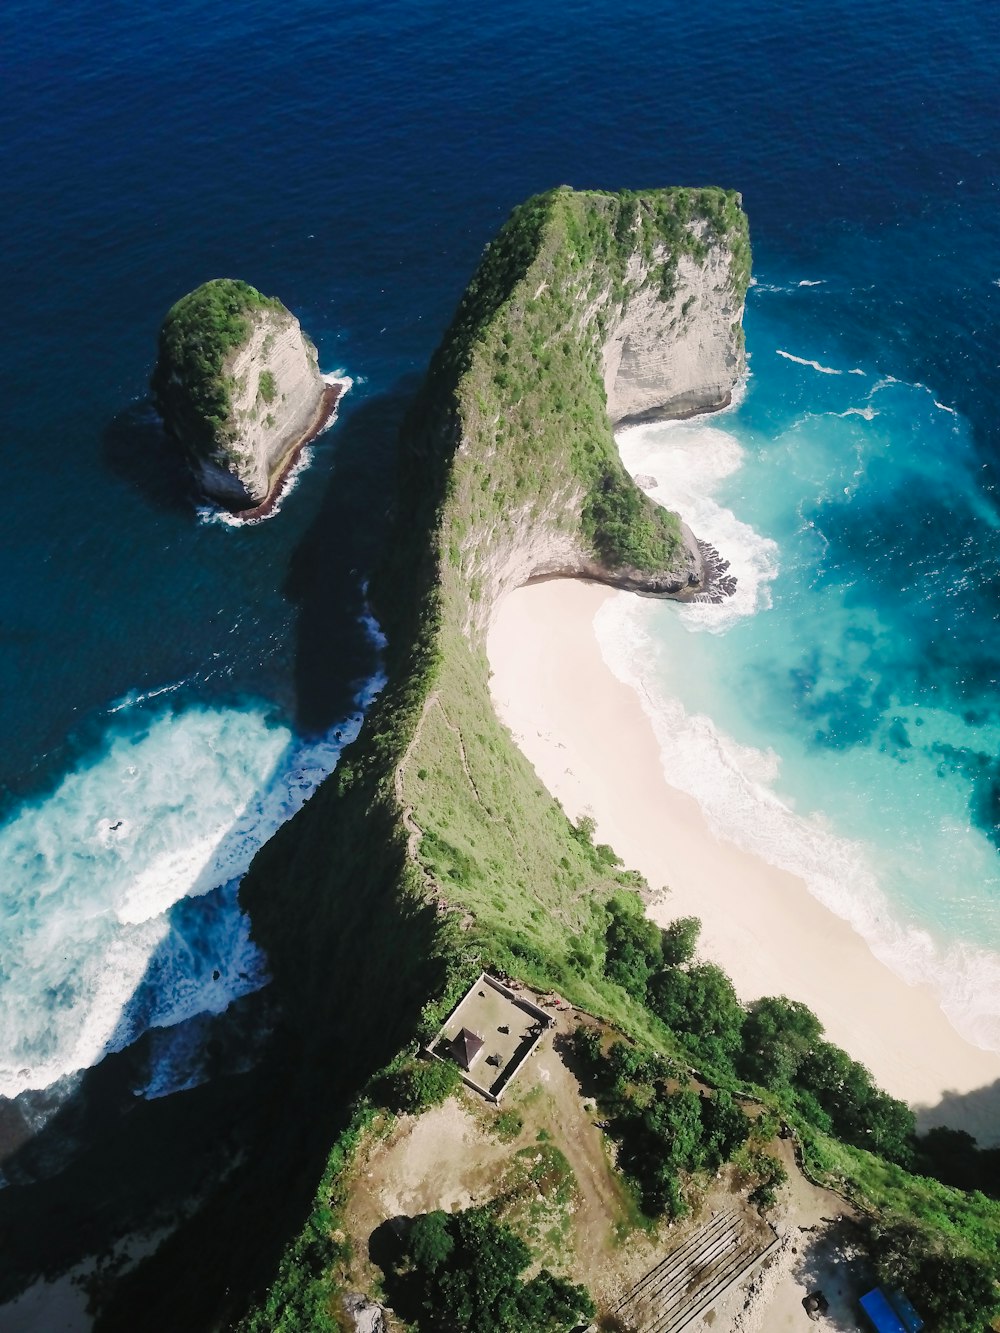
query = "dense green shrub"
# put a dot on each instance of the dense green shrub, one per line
(952, 1291)
(700, 1003)
(267, 386)
(778, 1034)
(467, 1268)
(680, 940)
(419, 1084)
(189, 384)
(634, 947)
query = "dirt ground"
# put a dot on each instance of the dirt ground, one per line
(819, 1251)
(553, 1181)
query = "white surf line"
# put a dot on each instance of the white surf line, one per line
(803, 361)
(211, 513)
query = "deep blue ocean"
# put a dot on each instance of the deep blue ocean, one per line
(171, 688)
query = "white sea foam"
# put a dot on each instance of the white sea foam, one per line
(689, 460)
(134, 697)
(735, 788)
(804, 361)
(816, 282)
(97, 945)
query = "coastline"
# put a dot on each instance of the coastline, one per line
(593, 747)
(326, 411)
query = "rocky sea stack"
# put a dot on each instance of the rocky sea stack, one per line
(238, 386)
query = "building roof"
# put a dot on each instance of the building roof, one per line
(465, 1047)
(890, 1312)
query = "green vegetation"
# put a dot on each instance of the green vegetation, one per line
(507, 1126)
(434, 852)
(519, 373)
(419, 1084)
(189, 384)
(464, 1272)
(952, 1292)
(665, 1130)
(267, 386)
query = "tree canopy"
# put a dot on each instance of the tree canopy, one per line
(468, 1274)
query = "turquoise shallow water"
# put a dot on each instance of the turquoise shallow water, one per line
(839, 716)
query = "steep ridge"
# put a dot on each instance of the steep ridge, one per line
(433, 851)
(586, 309)
(509, 472)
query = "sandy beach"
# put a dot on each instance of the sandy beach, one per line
(592, 745)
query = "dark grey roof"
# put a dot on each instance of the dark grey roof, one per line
(466, 1047)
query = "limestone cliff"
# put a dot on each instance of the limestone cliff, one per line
(238, 386)
(676, 352)
(588, 310)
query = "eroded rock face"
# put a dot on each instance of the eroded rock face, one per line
(669, 359)
(365, 1315)
(268, 422)
(238, 386)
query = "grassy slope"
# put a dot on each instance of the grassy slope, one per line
(434, 804)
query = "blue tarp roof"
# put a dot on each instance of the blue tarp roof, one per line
(884, 1318)
(911, 1320)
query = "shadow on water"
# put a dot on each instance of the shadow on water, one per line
(90, 1159)
(332, 562)
(248, 1143)
(138, 451)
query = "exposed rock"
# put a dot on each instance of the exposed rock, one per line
(645, 481)
(366, 1316)
(238, 386)
(656, 321)
(676, 357)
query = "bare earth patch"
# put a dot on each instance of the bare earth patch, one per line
(545, 1164)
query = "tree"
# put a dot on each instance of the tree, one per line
(855, 1109)
(468, 1273)
(778, 1034)
(954, 1293)
(725, 1128)
(634, 949)
(680, 939)
(701, 1003)
(430, 1241)
(421, 1083)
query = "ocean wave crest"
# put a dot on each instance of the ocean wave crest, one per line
(689, 460)
(735, 786)
(120, 911)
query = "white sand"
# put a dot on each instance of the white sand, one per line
(592, 745)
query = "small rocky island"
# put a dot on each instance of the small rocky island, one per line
(238, 386)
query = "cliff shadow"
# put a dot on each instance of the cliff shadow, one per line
(253, 1144)
(137, 449)
(330, 567)
(959, 1139)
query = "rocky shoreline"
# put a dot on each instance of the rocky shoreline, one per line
(719, 583)
(325, 413)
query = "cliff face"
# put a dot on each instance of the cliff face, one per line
(587, 311)
(238, 387)
(676, 354)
